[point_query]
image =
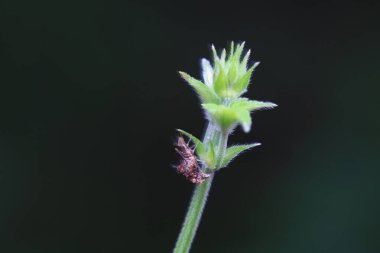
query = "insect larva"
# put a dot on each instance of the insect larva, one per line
(189, 166)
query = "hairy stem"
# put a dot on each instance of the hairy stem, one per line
(193, 216)
(198, 201)
(222, 146)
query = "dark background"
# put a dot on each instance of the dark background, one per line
(90, 100)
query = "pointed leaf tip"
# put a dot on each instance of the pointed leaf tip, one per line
(233, 151)
(199, 148)
(252, 105)
(205, 92)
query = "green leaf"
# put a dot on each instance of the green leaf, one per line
(251, 105)
(244, 62)
(224, 117)
(242, 84)
(231, 54)
(237, 54)
(214, 54)
(245, 120)
(199, 148)
(221, 81)
(223, 56)
(209, 157)
(232, 73)
(206, 94)
(243, 107)
(243, 115)
(228, 117)
(234, 151)
(239, 103)
(254, 105)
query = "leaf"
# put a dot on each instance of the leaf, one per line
(251, 105)
(239, 50)
(244, 62)
(243, 107)
(231, 54)
(234, 151)
(245, 120)
(206, 94)
(223, 116)
(244, 117)
(223, 56)
(221, 81)
(199, 148)
(232, 73)
(239, 103)
(215, 54)
(228, 117)
(254, 105)
(242, 84)
(209, 156)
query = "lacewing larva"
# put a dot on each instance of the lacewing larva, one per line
(189, 166)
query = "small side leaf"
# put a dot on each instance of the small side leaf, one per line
(205, 92)
(199, 148)
(234, 151)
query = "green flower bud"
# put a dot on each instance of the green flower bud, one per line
(223, 84)
(229, 76)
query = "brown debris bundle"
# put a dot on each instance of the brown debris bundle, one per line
(189, 166)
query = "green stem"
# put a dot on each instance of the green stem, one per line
(199, 199)
(193, 216)
(222, 146)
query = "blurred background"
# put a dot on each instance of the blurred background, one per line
(90, 99)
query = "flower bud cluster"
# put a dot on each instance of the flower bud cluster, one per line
(223, 83)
